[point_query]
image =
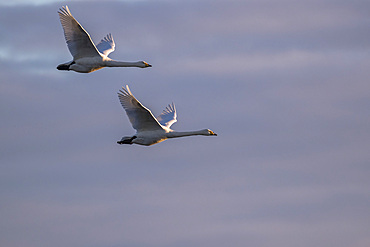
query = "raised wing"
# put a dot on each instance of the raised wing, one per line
(140, 117)
(106, 45)
(78, 40)
(168, 116)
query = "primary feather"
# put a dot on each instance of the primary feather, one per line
(168, 116)
(106, 45)
(140, 117)
(78, 40)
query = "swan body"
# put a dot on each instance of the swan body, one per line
(149, 129)
(86, 56)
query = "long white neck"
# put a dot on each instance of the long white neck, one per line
(175, 134)
(114, 63)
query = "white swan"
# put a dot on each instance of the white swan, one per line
(151, 130)
(86, 56)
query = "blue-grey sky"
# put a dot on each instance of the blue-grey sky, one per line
(285, 84)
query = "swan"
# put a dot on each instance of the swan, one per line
(151, 130)
(86, 56)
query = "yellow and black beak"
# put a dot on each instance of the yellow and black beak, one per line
(147, 65)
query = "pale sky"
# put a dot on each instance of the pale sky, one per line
(284, 84)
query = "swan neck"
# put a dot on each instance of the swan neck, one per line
(113, 63)
(175, 134)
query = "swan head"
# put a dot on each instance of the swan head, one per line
(209, 132)
(144, 64)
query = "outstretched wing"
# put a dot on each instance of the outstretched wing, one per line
(140, 117)
(106, 45)
(78, 40)
(168, 116)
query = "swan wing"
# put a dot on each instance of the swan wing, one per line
(168, 116)
(140, 117)
(78, 40)
(106, 45)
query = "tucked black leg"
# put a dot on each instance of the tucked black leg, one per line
(65, 66)
(127, 141)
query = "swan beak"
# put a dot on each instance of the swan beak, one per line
(213, 133)
(147, 65)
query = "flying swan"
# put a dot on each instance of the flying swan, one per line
(151, 130)
(86, 56)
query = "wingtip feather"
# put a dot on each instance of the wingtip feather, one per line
(173, 107)
(124, 91)
(128, 90)
(63, 10)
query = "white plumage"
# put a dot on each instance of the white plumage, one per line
(149, 129)
(86, 56)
